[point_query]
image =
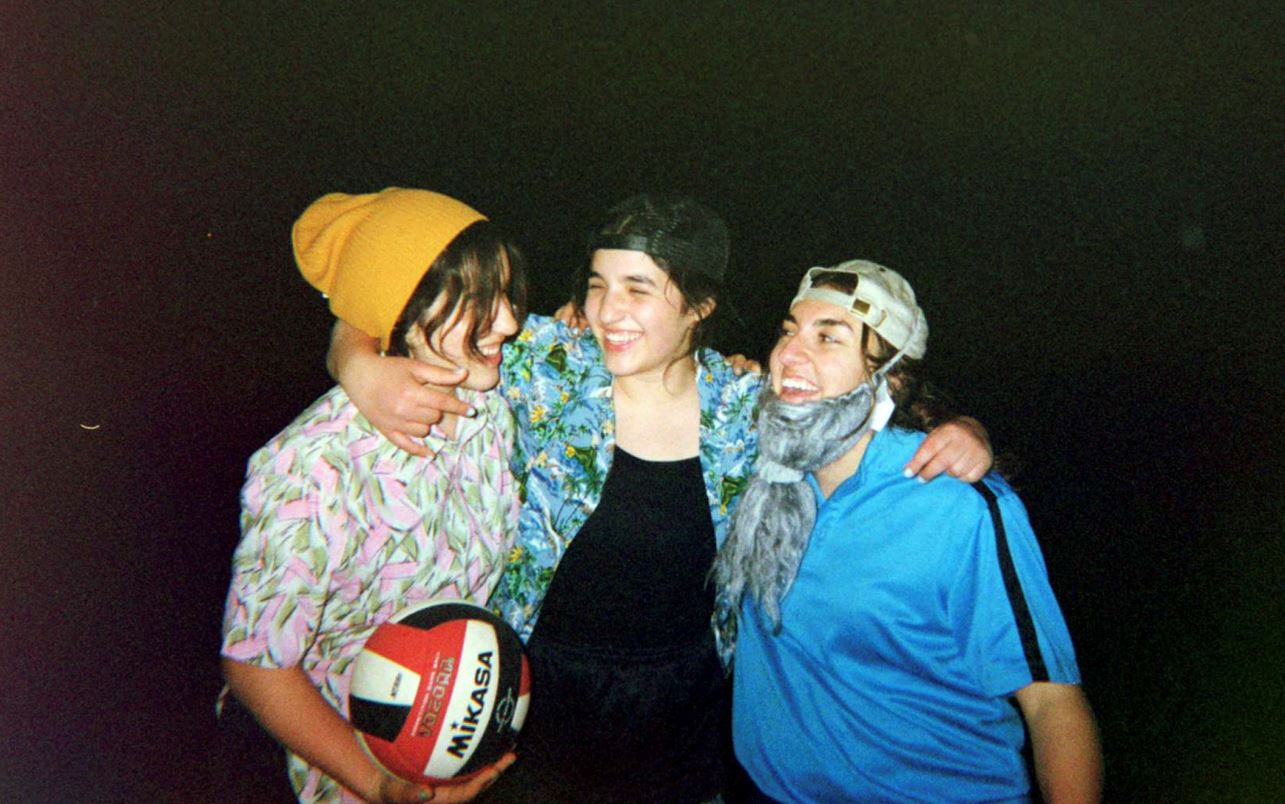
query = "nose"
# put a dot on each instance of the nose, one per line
(791, 352)
(611, 305)
(505, 322)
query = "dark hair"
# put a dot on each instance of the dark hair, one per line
(689, 242)
(471, 271)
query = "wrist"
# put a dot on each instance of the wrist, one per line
(352, 364)
(373, 790)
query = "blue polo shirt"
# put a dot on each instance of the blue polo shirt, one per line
(912, 621)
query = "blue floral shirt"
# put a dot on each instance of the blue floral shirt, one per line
(560, 392)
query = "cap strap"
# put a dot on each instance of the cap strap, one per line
(901, 351)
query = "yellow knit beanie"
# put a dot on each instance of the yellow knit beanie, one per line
(368, 252)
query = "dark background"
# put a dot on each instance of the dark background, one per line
(1087, 197)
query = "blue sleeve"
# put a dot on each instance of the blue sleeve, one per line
(545, 347)
(1003, 611)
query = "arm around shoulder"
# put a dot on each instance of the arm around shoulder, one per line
(392, 392)
(960, 447)
(1064, 741)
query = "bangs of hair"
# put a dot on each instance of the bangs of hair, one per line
(475, 272)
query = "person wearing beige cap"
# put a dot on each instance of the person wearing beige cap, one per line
(885, 628)
(340, 528)
(635, 443)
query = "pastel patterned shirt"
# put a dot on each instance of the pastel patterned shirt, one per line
(341, 529)
(560, 391)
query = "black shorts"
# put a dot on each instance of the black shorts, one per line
(615, 725)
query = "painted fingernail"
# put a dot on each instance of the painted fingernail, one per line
(907, 472)
(472, 412)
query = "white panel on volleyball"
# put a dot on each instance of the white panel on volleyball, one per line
(382, 680)
(467, 719)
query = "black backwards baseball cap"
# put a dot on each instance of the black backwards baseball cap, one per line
(677, 230)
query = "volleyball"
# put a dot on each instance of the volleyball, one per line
(440, 691)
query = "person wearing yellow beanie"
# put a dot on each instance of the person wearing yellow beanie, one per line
(340, 528)
(368, 252)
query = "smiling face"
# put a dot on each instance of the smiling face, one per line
(818, 354)
(447, 346)
(637, 314)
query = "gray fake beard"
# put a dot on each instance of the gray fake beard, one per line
(773, 521)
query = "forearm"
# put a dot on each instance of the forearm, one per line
(292, 710)
(348, 345)
(1064, 743)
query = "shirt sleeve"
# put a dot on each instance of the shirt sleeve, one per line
(538, 336)
(281, 568)
(1003, 611)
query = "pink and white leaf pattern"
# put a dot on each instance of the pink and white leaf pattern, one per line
(341, 530)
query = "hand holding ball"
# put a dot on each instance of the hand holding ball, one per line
(439, 692)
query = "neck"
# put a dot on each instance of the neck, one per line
(832, 475)
(675, 381)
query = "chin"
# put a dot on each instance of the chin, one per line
(622, 368)
(481, 379)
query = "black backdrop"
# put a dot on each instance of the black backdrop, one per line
(1088, 199)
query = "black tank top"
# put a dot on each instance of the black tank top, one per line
(635, 576)
(629, 702)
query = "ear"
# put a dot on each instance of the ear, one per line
(705, 309)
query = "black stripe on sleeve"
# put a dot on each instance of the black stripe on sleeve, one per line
(1013, 587)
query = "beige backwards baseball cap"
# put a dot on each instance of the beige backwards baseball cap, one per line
(882, 299)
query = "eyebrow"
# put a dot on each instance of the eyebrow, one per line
(822, 322)
(833, 322)
(640, 279)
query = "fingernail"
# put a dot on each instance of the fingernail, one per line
(921, 480)
(472, 412)
(907, 473)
